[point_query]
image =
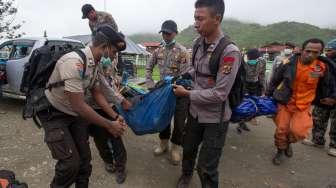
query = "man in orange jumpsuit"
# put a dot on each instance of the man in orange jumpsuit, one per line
(305, 78)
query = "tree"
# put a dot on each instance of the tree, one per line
(8, 29)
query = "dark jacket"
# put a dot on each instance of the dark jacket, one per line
(280, 86)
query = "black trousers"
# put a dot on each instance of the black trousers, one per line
(180, 117)
(253, 88)
(102, 138)
(68, 141)
(212, 137)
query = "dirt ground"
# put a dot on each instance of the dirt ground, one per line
(245, 163)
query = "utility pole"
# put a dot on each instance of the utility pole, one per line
(105, 5)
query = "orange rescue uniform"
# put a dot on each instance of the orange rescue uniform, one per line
(294, 120)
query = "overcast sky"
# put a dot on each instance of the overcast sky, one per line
(63, 17)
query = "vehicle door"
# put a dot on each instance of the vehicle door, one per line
(18, 57)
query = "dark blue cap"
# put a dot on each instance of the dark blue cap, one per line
(168, 26)
(253, 54)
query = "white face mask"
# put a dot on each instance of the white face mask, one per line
(288, 51)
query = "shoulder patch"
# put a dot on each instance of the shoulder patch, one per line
(227, 64)
(183, 57)
(229, 59)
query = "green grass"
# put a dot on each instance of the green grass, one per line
(141, 73)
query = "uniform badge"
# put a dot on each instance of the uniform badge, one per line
(183, 58)
(228, 64)
(211, 81)
(80, 68)
(209, 55)
(160, 55)
(317, 71)
(173, 66)
(91, 63)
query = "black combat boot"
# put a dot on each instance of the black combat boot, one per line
(278, 157)
(289, 151)
(184, 181)
(120, 176)
(109, 167)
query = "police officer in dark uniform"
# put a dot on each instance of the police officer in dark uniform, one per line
(209, 113)
(65, 122)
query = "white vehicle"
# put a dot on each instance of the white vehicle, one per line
(16, 53)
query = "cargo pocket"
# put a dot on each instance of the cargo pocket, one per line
(56, 143)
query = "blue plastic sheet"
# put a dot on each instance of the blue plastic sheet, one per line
(253, 106)
(153, 112)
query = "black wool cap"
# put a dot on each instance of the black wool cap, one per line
(113, 37)
(168, 26)
(86, 9)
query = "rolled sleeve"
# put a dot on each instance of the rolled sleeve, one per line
(226, 75)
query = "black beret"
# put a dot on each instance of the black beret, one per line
(113, 37)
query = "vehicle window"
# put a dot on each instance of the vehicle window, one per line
(21, 48)
(73, 44)
(20, 51)
(5, 51)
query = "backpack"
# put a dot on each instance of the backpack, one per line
(7, 180)
(236, 94)
(36, 76)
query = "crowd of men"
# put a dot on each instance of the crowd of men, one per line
(85, 104)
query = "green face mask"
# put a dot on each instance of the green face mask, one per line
(171, 43)
(106, 61)
(252, 62)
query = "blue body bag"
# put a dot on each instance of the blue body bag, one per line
(153, 111)
(253, 106)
